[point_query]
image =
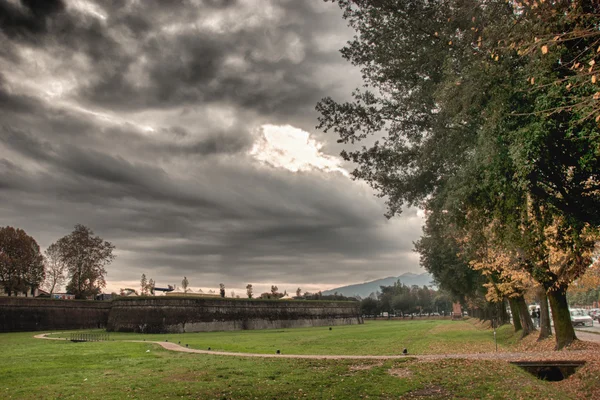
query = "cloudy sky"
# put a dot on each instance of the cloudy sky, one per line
(185, 135)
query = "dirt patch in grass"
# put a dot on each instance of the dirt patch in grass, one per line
(437, 329)
(432, 391)
(365, 366)
(188, 376)
(479, 324)
(400, 372)
(530, 343)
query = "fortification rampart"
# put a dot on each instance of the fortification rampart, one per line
(161, 314)
(171, 314)
(18, 314)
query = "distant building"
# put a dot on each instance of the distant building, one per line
(63, 296)
(33, 292)
(191, 294)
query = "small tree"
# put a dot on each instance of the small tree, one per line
(222, 289)
(150, 286)
(298, 292)
(249, 290)
(274, 290)
(144, 285)
(232, 294)
(184, 284)
(56, 269)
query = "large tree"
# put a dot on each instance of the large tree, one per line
(457, 112)
(543, 29)
(86, 257)
(56, 269)
(21, 263)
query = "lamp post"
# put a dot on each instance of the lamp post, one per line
(495, 341)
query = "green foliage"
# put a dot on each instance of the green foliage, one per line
(457, 120)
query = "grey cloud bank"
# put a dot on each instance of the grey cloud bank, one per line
(139, 120)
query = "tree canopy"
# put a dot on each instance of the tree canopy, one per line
(21, 263)
(86, 257)
(469, 114)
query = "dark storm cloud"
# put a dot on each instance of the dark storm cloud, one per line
(191, 66)
(137, 119)
(28, 19)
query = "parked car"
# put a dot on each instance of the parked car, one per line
(594, 313)
(579, 318)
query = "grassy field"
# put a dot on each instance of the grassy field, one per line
(372, 338)
(45, 369)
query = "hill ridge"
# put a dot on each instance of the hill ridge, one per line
(366, 288)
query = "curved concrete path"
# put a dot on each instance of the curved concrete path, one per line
(538, 356)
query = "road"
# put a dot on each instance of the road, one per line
(591, 334)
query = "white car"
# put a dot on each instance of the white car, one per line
(579, 318)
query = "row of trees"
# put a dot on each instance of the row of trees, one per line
(402, 299)
(485, 114)
(79, 258)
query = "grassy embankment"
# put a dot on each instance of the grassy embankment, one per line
(372, 338)
(37, 369)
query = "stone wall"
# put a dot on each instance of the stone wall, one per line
(162, 314)
(18, 314)
(171, 314)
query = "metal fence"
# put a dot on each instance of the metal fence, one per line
(89, 337)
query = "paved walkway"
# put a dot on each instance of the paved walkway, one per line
(523, 356)
(587, 336)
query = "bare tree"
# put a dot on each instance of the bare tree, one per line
(56, 269)
(144, 285)
(222, 289)
(249, 290)
(151, 285)
(298, 292)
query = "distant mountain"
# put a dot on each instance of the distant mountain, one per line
(365, 289)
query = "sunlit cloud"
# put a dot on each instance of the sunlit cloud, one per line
(87, 8)
(283, 146)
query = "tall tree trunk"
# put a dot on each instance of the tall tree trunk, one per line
(514, 309)
(488, 312)
(526, 322)
(563, 328)
(545, 329)
(500, 312)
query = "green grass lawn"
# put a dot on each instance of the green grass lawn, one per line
(46, 369)
(372, 338)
